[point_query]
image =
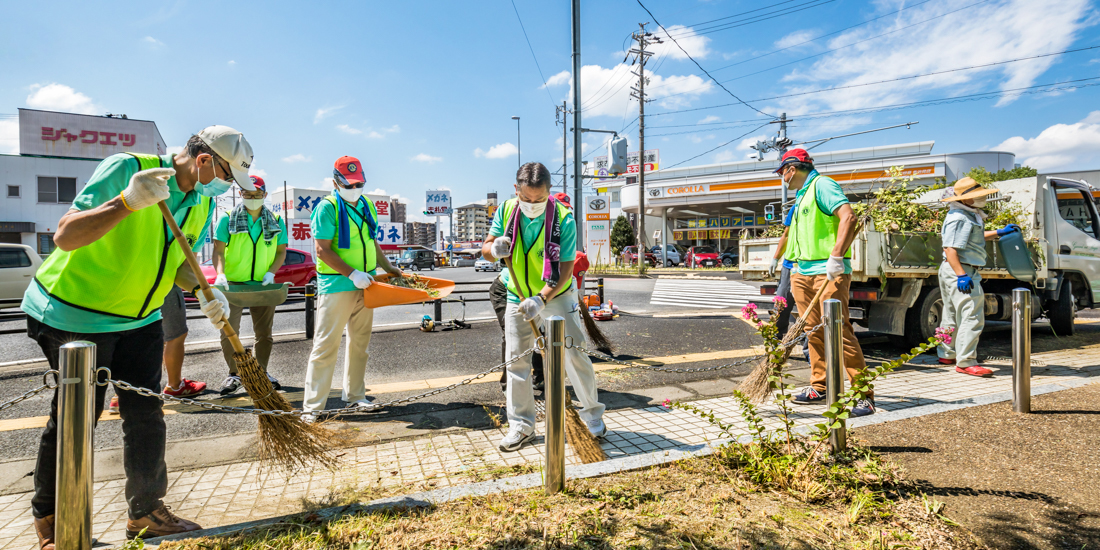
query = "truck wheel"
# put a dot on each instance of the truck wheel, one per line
(1062, 311)
(922, 320)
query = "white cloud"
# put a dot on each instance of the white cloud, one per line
(152, 42)
(377, 191)
(232, 63)
(687, 38)
(794, 39)
(563, 77)
(258, 172)
(708, 119)
(499, 151)
(9, 136)
(725, 156)
(1061, 146)
(325, 112)
(297, 157)
(381, 133)
(606, 92)
(59, 97)
(426, 158)
(175, 149)
(348, 129)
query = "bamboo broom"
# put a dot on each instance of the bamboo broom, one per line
(285, 440)
(584, 443)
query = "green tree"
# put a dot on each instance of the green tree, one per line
(622, 235)
(983, 176)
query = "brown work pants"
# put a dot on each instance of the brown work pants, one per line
(804, 288)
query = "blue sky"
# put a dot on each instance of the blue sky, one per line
(424, 92)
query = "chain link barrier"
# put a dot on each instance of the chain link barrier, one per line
(45, 386)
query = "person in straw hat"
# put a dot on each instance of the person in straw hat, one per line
(960, 283)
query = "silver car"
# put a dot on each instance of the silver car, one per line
(485, 265)
(674, 257)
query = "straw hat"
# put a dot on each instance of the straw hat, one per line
(967, 188)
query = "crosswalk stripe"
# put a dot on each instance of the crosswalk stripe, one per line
(703, 294)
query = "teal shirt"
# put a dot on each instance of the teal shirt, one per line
(532, 231)
(322, 223)
(110, 178)
(829, 196)
(964, 232)
(255, 229)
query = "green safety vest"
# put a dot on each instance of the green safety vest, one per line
(361, 254)
(246, 259)
(813, 231)
(127, 272)
(528, 266)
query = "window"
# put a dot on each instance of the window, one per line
(13, 192)
(1074, 208)
(45, 243)
(55, 190)
(294, 258)
(13, 257)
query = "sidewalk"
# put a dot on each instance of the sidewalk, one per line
(237, 493)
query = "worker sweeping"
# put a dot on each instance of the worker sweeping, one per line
(114, 265)
(820, 241)
(344, 226)
(249, 248)
(960, 283)
(538, 235)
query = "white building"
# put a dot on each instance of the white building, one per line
(472, 221)
(58, 152)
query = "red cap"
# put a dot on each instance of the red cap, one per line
(351, 169)
(794, 155)
(562, 198)
(259, 183)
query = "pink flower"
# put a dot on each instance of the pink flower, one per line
(667, 404)
(748, 312)
(780, 302)
(944, 334)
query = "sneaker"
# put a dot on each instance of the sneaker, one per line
(309, 418)
(808, 396)
(231, 384)
(159, 523)
(944, 361)
(187, 388)
(515, 439)
(597, 427)
(112, 408)
(864, 407)
(363, 405)
(43, 527)
(975, 370)
(274, 382)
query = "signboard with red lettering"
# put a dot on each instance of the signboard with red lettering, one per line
(53, 134)
(652, 164)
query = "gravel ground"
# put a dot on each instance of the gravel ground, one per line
(1014, 480)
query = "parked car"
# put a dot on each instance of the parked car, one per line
(729, 257)
(702, 256)
(463, 261)
(630, 256)
(485, 265)
(298, 269)
(18, 264)
(672, 254)
(417, 259)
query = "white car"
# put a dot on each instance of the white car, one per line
(18, 264)
(485, 265)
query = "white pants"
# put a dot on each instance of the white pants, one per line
(334, 312)
(519, 338)
(963, 312)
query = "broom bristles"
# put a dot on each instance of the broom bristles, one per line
(757, 386)
(584, 444)
(599, 339)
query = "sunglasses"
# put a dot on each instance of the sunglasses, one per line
(336, 175)
(228, 173)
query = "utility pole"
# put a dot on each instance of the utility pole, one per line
(640, 56)
(562, 114)
(783, 142)
(577, 179)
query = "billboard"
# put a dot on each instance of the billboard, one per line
(652, 164)
(597, 225)
(298, 203)
(438, 203)
(53, 134)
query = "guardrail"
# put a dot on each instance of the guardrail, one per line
(437, 305)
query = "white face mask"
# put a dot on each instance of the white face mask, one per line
(980, 202)
(253, 204)
(349, 195)
(532, 209)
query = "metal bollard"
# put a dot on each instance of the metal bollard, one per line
(555, 405)
(438, 310)
(75, 422)
(834, 367)
(1021, 350)
(599, 290)
(311, 291)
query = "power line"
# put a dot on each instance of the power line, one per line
(717, 148)
(529, 47)
(756, 19)
(740, 14)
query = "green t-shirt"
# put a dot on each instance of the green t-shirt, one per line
(110, 178)
(255, 229)
(322, 224)
(829, 196)
(532, 231)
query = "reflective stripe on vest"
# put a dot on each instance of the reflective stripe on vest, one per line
(528, 266)
(248, 260)
(361, 254)
(127, 272)
(813, 233)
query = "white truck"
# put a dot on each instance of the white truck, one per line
(894, 278)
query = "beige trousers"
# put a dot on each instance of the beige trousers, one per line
(263, 317)
(335, 312)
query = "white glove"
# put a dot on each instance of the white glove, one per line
(360, 279)
(500, 246)
(220, 280)
(217, 311)
(773, 267)
(834, 267)
(269, 278)
(147, 188)
(531, 307)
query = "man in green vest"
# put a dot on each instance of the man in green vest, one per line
(820, 239)
(106, 282)
(249, 247)
(344, 226)
(538, 235)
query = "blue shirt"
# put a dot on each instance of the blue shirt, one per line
(965, 232)
(532, 231)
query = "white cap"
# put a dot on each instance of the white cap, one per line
(231, 146)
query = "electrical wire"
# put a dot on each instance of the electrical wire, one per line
(717, 148)
(755, 19)
(532, 49)
(740, 14)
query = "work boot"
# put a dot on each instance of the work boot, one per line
(44, 528)
(159, 523)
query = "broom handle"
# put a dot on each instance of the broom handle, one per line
(519, 289)
(192, 261)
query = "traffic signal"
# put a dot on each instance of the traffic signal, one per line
(769, 212)
(616, 155)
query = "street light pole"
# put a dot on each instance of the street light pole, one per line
(519, 163)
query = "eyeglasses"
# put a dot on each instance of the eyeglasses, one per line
(228, 173)
(336, 175)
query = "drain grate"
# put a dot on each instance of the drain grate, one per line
(1002, 359)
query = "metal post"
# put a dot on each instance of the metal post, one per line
(577, 144)
(599, 288)
(555, 405)
(438, 310)
(834, 367)
(75, 422)
(1021, 350)
(311, 291)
